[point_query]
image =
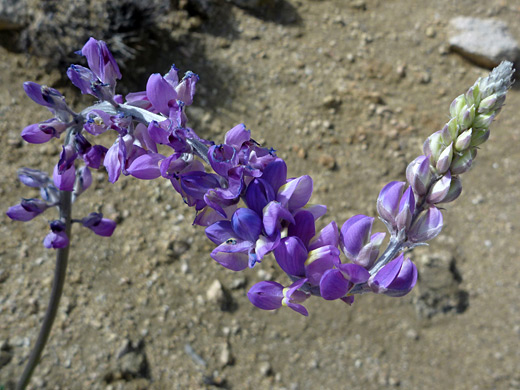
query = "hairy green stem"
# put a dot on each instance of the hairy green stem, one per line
(62, 256)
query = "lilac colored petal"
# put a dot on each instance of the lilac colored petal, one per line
(296, 192)
(101, 61)
(275, 173)
(222, 158)
(246, 224)
(303, 226)
(67, 157)
(197, 183)
(34, 91)
(94, 156)
(273, 213)
(237, 136)
(232, 254)
(208, 216)
(418, 174)
(83, 78)
(317, 210)
(355, 233)
(406, 209)
(220, 232)
(258, 194)
(291, 256)
(454, 191)
(101, 226)
(24, 212)
(56, 240)
(64, 181)
(327, 236)
(34, 134)
(333, 285)
(141, 133)
(388, 201)
(315, 270)
(298, 308)
(428, 226)
(293, 288)
(386, 275)
(146, 167)
(440, 189)
(264, 245)
(160, 93)
(354, 273)
(266, 295)
(368, 254)
(405, 280)
(186, 88)
(349, 299)
(112, 162)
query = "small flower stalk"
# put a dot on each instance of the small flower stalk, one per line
(251, 209)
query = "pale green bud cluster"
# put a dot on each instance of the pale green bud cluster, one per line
(455, 146)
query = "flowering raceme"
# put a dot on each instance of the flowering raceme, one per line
(241, 191)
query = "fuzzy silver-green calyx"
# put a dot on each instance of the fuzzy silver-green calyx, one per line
(457, 105)
(463, 140)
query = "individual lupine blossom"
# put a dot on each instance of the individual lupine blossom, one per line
(241, 191)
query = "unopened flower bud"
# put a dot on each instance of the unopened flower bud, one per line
(433, 146)
(428, 226)
(473, 95)
(444, 161)
(463, 141)
(462, 163)
(466, 117)
(440, 189)
(483, 121)
(479, 137)
(454, 191)
(491, 103)
(457, 105)
(419, 175)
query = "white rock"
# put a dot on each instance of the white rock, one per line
(485, 42)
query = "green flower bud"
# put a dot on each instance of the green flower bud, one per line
(466, 117)
(456, 106)
(453, 128)
(444, 161)
(479, 137)
(473, 95)
(483, 121)
(433, 146)
(491, 103)
(462, 163)
(463, 141)
(446, 135)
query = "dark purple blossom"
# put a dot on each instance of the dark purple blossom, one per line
(57, 238)
(269, 295)
(99, 225)
(395, 279)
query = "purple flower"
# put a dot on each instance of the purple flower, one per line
(48, 97)
(57, 238)
(427, 226)
(394, 207)
(419, 175)
(27, 209)
(269, 295)
(83, 181)
(67, 157)
(99, 225)
(236, 239)
(101, 61)
(335, 283)
(40, 133)
(397, 278)
(33, 177)
(146, 166)
(357, 243)
(64, 181)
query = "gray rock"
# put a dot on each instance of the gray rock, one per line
(485, 42)
(13, 14)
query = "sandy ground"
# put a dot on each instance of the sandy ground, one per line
(345, 91)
